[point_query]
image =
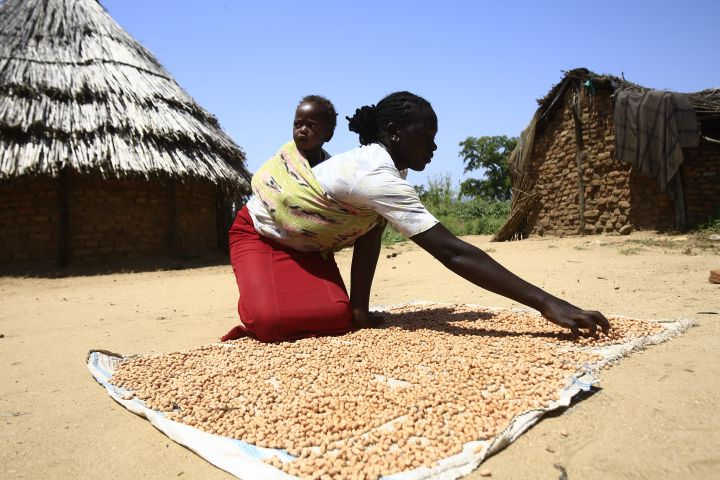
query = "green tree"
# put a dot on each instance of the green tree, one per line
(489, 154)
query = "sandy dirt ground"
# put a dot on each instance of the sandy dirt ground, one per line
(655, 416)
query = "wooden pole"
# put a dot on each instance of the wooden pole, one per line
(579, 154)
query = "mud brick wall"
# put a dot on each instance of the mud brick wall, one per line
(615, 196)
(196, 209)
(112, 219)
(701, 181)
(108, 219)
(29, 220)
(651, 209)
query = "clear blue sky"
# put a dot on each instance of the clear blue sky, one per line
(481, 64)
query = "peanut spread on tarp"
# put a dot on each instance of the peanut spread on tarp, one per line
(376, 401)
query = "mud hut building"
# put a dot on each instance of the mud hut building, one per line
(103, 156)
(602, 154)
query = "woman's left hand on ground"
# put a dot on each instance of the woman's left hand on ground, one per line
(566, 315)
(365, 319)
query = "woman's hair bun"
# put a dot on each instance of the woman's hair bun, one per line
(364, 123)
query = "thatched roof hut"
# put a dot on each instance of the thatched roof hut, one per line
(86, 112)
(571, 176)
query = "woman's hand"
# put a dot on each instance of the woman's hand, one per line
(566, 315)
(364, 319)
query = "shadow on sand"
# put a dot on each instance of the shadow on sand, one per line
(444, 319)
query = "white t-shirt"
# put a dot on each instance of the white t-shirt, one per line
(364, 177)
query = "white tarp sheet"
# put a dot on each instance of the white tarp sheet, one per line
(245, 461)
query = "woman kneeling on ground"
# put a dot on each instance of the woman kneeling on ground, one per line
(282, 241)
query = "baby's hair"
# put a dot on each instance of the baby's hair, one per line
(327, 106)
(399, 107)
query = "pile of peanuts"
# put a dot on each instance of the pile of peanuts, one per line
(376, 401)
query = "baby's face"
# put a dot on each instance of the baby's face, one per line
(311, 128)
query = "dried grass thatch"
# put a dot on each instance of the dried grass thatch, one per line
(705, 102)
(78, 91)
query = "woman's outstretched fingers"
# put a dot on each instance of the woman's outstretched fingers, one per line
(593, 327)
(592, 319)
(569, 316)
(602, 321)
(588, 322)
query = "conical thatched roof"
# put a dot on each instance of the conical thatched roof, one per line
(76, 90)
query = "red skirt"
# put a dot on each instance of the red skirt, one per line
(284, 294)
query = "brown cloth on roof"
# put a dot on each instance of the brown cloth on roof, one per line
(650, 130)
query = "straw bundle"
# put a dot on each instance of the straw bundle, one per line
(524, 197)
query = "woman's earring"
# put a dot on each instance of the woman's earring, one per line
(395, 138)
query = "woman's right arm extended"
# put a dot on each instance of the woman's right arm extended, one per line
(476, 266)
